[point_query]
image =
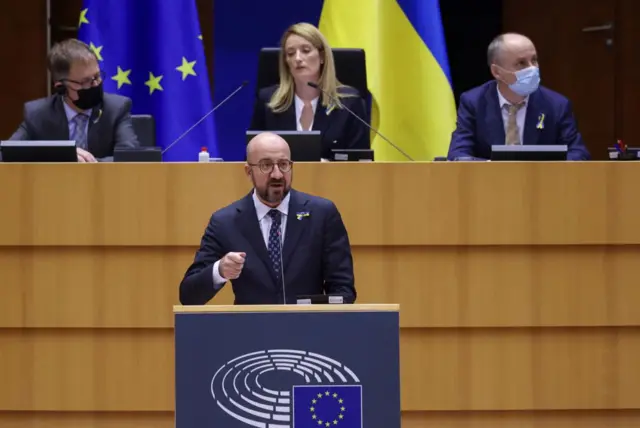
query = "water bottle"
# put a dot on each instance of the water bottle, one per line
(203, 156)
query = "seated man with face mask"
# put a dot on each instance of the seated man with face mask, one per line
(514, 109)
(79, 110)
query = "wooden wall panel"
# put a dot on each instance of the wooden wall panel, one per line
(86, 419)
(502, 285)
(628, 66)
(516, 311)
(23, 36)
(441, 369)
(576, 203)
(440, 286)
(87, 370)
(519, 369)
(508, 419)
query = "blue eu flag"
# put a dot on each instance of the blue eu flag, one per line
(152, 52)
(324, 406)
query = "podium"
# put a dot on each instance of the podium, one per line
(287, 366)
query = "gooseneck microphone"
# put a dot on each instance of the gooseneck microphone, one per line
(316, 86)
(184, 134)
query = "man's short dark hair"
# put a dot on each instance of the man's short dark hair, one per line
(64, 54)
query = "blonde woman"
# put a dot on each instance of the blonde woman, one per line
(305, 56)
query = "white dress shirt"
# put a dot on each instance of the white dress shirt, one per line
(265, 226)
(520, 115)
(299, 105)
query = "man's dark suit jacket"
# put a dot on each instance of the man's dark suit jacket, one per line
(339, 129)
(480, 123)
(110, 124)
(316, 254)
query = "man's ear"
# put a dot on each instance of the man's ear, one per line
(59, 88)
(495, 71)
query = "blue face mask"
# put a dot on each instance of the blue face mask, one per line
(527, 81)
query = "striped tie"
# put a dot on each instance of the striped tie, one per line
(79, 130)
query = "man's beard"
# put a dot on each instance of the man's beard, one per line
(273, 194)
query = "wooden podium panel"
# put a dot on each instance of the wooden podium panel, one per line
(515, 281)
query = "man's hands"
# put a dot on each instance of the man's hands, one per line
(84, 156)
(231, 265)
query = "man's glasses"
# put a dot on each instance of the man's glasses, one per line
(266, 166)
(89, 82)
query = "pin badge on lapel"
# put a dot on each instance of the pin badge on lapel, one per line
(99, 116)
(540, 124)
(330, 109)
(302, 214)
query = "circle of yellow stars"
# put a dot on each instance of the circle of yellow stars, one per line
(319, 397)
(122, 76)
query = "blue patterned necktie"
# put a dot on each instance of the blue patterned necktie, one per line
(274, 242)
(80, 130)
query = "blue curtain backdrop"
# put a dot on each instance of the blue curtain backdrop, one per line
(241, 29)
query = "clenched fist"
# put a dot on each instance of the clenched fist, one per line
(231, 265)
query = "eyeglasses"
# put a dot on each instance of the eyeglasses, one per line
(89, 82)
(266, 166)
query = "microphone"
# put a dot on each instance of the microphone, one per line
(284, 291)
(245, 83)
(316, 86)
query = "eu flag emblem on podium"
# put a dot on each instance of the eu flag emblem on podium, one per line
(152, 52)
(324, 406)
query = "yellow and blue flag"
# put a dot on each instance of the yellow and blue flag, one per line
(407, 71)
(324, 406)
(152, 52)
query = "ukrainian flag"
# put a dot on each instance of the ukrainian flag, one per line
(407, 71)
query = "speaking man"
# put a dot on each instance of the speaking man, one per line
(514, 108)
(79, 110)
(275, 243)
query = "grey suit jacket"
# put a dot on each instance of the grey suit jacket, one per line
(110, 124)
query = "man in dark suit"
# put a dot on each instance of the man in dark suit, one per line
(79, 110)
(514, 109)
(339, 129)
(275, 243)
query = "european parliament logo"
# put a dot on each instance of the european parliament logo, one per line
(288, 388)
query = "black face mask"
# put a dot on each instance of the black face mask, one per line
(89, 98)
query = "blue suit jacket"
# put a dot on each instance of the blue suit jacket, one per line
(316, 254)
(339, 130)
(480, 123)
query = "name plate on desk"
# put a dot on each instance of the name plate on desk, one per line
(287, 366)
